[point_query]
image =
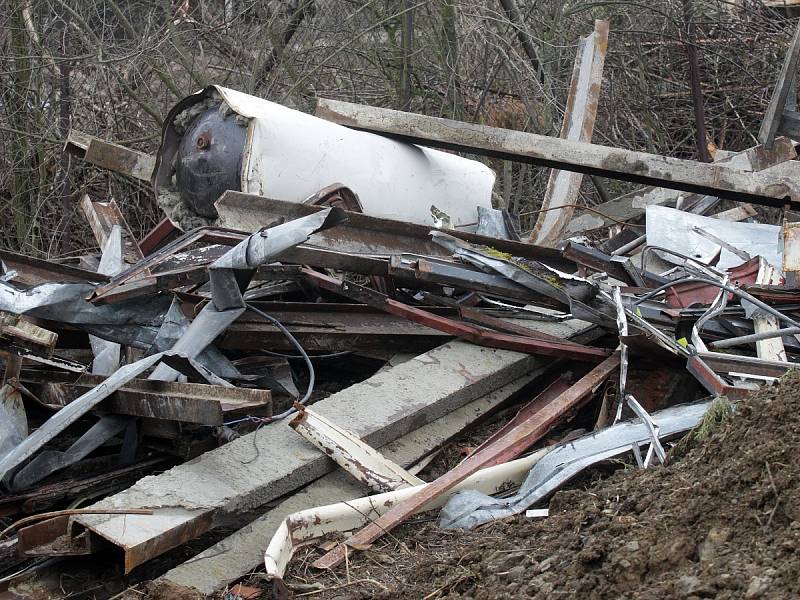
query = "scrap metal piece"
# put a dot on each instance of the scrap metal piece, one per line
(673, 229)
(573, 286)
(622, 327)
(359, 459)
(468, 509)
(13, 419)
(50, 461)
(508, 446)
(652, 427)
(467, 332)
(708, 378)
(107, 354)
(230, 274)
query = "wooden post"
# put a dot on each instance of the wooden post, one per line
(578, 125)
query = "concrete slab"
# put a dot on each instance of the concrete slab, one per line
(243, 551)
(189, 499)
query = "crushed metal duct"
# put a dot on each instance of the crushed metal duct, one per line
(469, 508)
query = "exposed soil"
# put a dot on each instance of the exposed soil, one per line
(720, 521)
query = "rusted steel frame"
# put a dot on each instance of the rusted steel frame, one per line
(40, 539)
(462, 330)
(363, 234)
(362, 461)
(529, 411)
(328, 328)
(164, 280)
(163, 233)
(32, 271)
(720, 362)
(472, 279)
(204, 234)
(506, 447)
(713, 382)
(561, 195)
(592, 159)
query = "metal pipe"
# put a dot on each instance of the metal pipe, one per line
(630, 246)
(754, 337)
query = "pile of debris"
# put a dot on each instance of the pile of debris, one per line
(282, 329)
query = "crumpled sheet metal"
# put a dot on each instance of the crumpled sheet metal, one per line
(131, 323)
(231, 273)
(672, 229)
(468, 508)
(71, 413)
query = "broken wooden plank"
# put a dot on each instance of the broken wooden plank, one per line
(763, 322)
(740, 213)
(102, 217)
(360, 460)
(120, 159)
(552, 406)
(19, 331)
(259, 467)
(592, 159)
(561, 195)
(776, 160)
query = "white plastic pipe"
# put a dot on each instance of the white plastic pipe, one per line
(304, 527)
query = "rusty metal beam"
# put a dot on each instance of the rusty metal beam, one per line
(362, 234)
(592, 159)
(713, 382)
(482, 337)
(553, 406)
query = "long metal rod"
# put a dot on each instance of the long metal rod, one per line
(754, 337)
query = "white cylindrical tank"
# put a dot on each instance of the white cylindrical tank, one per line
(290, 155)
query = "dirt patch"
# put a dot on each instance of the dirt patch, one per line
(721, 521)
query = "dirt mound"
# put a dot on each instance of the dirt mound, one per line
(722, 521)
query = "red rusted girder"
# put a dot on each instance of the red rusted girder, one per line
(551, 393)
(470, 333)
(158, 236)
(504, 448)
(713, 382)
